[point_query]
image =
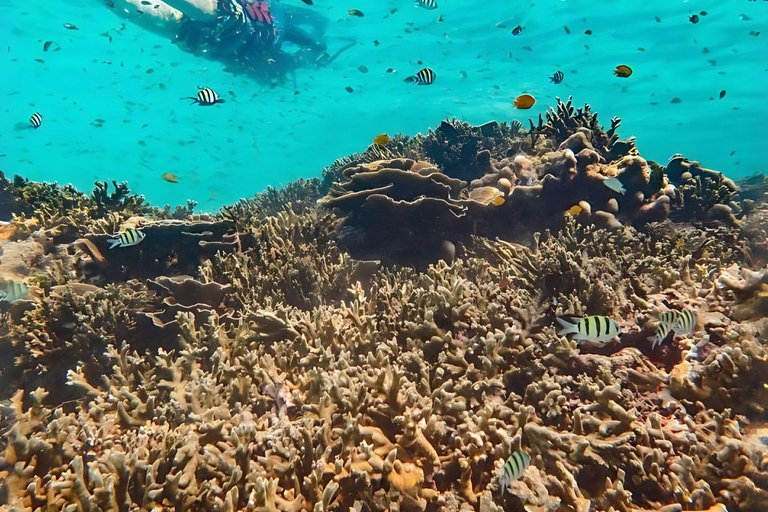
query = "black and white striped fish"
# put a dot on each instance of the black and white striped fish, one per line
(669, 317)
(686, 322)
(11, 291)
(127, 238)
(378, 152)
(424, 77)
(426, 4)
(207, 97)
(513, 469)
(597, 330)
(663, 329)
(682, 322)
(36, 120)
(557, 77)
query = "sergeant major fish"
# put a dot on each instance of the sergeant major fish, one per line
(127, 238)
(663, 329)
(36, 120)
(595, 330)
(206, 97)
(686, 322)
(679, 323)
(513, 469)
(682, 322)
(424, 77)
(426, 4)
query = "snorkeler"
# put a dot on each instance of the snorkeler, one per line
(247, 33)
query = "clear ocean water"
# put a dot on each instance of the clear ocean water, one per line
(270, 134)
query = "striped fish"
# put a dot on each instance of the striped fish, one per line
(556, 78)
(669, 317)
(662, 331)
(513, 469)
(379, 152)
(424, 77)
(682, 322)
(686, 322)
(207, 97)
(11, 291)
(36, 120)
(426, 4)
(127, 238)
(598, 330)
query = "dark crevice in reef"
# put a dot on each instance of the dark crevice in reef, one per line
(385, 335)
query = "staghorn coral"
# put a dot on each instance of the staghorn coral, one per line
(564, 120)
(455, 145)
(300, 195)
(284, 375)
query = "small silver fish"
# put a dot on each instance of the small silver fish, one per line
(127, 238)
(513, 469)
(695, 353)
(615, 185)
(11, 291)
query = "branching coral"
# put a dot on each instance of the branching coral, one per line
(284, 375)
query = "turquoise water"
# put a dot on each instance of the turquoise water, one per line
(269, 134)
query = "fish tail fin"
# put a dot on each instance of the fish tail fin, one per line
(410, 80)
(113, 242)
(566, 327)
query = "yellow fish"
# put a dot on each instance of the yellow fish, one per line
(381, 139)
(622, 71)
(575, 210)
(498, 200)
(524, 101)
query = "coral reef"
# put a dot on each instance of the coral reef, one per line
(512, 186)
(281, 356)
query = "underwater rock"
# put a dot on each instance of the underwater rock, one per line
(169, 247)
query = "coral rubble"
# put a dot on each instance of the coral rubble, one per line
(390, 346)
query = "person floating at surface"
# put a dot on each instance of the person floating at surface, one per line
(245, 34)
